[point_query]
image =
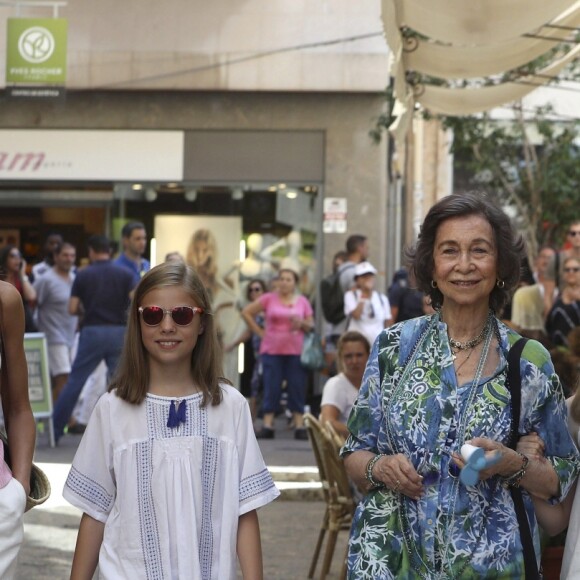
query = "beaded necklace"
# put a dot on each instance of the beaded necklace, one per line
(416, 561)
(469, 344)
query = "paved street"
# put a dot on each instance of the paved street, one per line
(289, 527)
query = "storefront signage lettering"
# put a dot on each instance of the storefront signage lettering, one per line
(21, 161)
(99, 155)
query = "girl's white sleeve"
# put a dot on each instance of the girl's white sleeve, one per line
(90, 485)
(257, 487)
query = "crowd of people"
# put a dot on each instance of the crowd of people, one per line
(413, 375)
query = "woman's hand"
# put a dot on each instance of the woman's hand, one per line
(398, 475)
(532, 446)
(510, 461)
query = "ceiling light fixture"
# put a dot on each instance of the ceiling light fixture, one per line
(190, 195)
(150, 194)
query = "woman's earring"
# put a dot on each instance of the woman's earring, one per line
(433, 284)
(500, 283)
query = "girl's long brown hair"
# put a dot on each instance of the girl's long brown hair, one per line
(132, 377)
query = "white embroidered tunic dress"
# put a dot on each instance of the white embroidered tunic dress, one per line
(170, 498)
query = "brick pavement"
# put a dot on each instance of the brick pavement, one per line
(289, 528)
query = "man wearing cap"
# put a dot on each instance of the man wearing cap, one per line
(367, 310)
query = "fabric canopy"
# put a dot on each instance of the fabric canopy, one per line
(468, 101)
(477, 21)
(472, 40)
(464, 62)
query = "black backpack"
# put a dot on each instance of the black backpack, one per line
(332, 296)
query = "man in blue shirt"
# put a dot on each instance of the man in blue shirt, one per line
(101, 292)
(134, 240)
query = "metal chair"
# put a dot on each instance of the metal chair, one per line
(337, 494)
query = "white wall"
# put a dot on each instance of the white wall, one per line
(190, 44)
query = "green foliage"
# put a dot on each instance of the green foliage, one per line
(531, 163)
(384, 120)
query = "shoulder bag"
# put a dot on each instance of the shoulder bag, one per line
(39, 483)
(312, 357)
(515, 387)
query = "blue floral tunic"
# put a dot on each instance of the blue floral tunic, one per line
(453, 531)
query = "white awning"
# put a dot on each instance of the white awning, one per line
(480, 39)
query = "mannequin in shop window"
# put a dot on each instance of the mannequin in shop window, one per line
(261, 262)
(202, 256)
(257, 263)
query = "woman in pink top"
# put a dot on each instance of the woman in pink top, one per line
(288, 316)
(20, 428)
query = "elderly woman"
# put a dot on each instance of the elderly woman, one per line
(436, 382)
(287, 316)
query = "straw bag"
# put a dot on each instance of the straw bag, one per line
(39, 484)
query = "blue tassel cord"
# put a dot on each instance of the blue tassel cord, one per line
(176, 415)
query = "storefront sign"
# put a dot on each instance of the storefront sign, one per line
(91, 155)
(36, 51)
(334, 210)
(52, 92)
(39, 389)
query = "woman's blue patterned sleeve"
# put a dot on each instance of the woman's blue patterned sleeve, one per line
(544, 412)
(366, 417)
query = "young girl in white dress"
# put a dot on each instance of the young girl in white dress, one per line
(169, 474)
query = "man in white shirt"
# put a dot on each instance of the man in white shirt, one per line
(53, 293)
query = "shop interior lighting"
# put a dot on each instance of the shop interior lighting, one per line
(291, 194)
(150, 194)
(281, 186)
(273, 188)
(237, 194)
(190, 195)
(136, 187)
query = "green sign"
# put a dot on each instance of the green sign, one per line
(39, 389)
(36, 50)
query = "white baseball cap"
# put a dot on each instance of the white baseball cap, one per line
(364, 268)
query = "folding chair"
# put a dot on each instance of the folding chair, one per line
(337, 494)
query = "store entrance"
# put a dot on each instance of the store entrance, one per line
(28, 227)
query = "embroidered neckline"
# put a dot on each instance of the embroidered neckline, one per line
(165, 398)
